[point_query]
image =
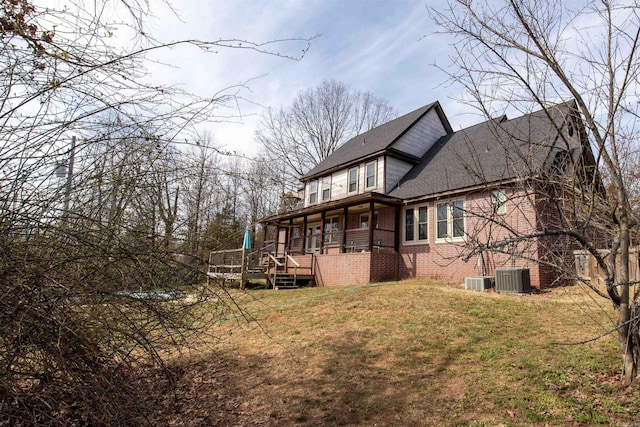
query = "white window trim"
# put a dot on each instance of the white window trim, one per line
(295, 237)
(499, 202)
(375, 175)
(314, 237)
(325, 180)
(416, 225)
(329, 221)
(449, 238)
(360, 220)
(315, 192)
(357, 169)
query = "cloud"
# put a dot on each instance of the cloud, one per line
(371, 45)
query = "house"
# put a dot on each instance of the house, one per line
(405, 199)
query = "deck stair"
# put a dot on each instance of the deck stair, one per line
(279, 271)
(284, 281)
(284, 272)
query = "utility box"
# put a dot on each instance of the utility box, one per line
(514, 280)
(478, 283)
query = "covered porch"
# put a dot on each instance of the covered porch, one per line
(365, 223)
(353, 240)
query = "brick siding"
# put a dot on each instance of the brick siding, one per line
(443, 260)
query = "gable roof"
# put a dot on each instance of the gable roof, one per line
(374, 140)
(491, 151)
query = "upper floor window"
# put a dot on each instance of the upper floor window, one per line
(450, 220)
(313, 192)
(371, 175)
(499, 202)
(353, 180)
(561, 161)
(326, 188)
(416, 224)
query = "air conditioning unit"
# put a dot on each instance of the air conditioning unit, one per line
(478, 283)
(513, 280)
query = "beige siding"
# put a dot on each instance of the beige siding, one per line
(422, 135)
(396, 169)
(362, 182)
(340, 183)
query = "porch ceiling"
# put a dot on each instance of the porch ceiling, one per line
(349, 202)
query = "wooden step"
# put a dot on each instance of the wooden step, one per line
(285, 281)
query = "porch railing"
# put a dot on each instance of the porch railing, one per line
(227, 265)
(276, 266)
(357, 240)
(295, 267)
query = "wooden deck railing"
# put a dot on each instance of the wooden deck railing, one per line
(226, 265)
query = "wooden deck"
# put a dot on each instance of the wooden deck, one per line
(277, 272)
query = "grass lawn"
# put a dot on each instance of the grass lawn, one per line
(412, 353)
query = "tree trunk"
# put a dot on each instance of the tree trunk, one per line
(626, 338)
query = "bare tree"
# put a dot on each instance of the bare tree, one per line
(514, 55)
(317, 122)
(261, 193)
(201, 184)
(76, 334)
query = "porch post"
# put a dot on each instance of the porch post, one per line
(264, 234)
(371, 208)
(323, 217)
(277, 243)
(343, 246)
(286, 240)
(396, 235)
(289, 234)
(304, 235)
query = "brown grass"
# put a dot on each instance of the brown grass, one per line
(414, 353)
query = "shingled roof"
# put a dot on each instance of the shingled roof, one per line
(488, 152)
(370, 142)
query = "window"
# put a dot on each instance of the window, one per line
(331, 228)
(295, 237)
(561, 162)
(450, 220)
(499, 202)
(408, 225)
(371, 175)
(423, 230)
(313, 192)
(353, 180)
(313, 238)
(416, 224)
(326, 188)
(441, 220)
(457, 210)
(364, 221)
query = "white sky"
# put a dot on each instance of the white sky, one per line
(381, 46)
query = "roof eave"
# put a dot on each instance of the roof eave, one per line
(335, 204)
(469, 189)
(435, 105)
(343, 166)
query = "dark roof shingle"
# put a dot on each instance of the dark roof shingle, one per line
(369, 142)
(488, 152)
